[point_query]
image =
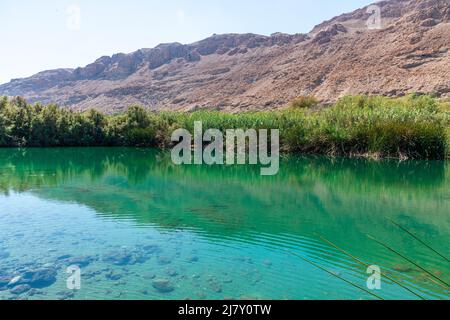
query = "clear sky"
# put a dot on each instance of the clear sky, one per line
(49, 34)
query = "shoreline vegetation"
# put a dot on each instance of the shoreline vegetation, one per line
(410, 127)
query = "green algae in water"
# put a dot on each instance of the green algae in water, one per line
(142, 228)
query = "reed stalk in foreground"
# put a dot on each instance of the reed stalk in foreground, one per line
(410, 261)
(418, 239)
(367, 265)
(337, 276)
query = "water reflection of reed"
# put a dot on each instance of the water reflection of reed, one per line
(136, 182)
(342, 199)
(139, 164)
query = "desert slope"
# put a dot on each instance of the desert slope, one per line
(410, 53)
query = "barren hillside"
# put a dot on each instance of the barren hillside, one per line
(409, 53)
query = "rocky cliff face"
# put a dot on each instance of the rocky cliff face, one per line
(410, 53)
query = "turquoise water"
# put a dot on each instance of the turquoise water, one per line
(142, 228)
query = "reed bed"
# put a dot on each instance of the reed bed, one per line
(414, 127)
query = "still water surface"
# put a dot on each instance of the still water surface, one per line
(142, 228)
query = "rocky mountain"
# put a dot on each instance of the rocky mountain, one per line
(408, 51)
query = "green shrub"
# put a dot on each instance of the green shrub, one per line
(140, 137)
(415, 126)
(304, 102)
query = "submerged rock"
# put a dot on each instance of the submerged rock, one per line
(34, 292)
(40, 278)
(4, 281)
(123, 257)
(171, 272)
(113, 276)
(149, 276)
(92, 274)
(164, 260)
(20, 289)
(118, 258)
(214, 285)
(14, 281)
(193, 259)
(63, 257)
(163, 286)
(65, 295)
(139, 258)
(151, 248)
(81, 261)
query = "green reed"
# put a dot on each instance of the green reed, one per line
(414, 127)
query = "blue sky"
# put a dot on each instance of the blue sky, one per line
(49, 34)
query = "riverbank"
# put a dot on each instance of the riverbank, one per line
(414, 127)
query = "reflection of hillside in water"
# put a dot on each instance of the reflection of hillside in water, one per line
(341, 198)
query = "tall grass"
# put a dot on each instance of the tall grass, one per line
(410, 127)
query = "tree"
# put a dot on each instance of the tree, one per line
(44, 128)
(96, 127)
(17, 118)
(3, 103)
(137, 117)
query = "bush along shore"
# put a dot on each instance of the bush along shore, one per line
(414, 127)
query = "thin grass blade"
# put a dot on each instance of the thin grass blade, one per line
(418, 239)
(337, 276)
(367, 265)
(410, 261)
